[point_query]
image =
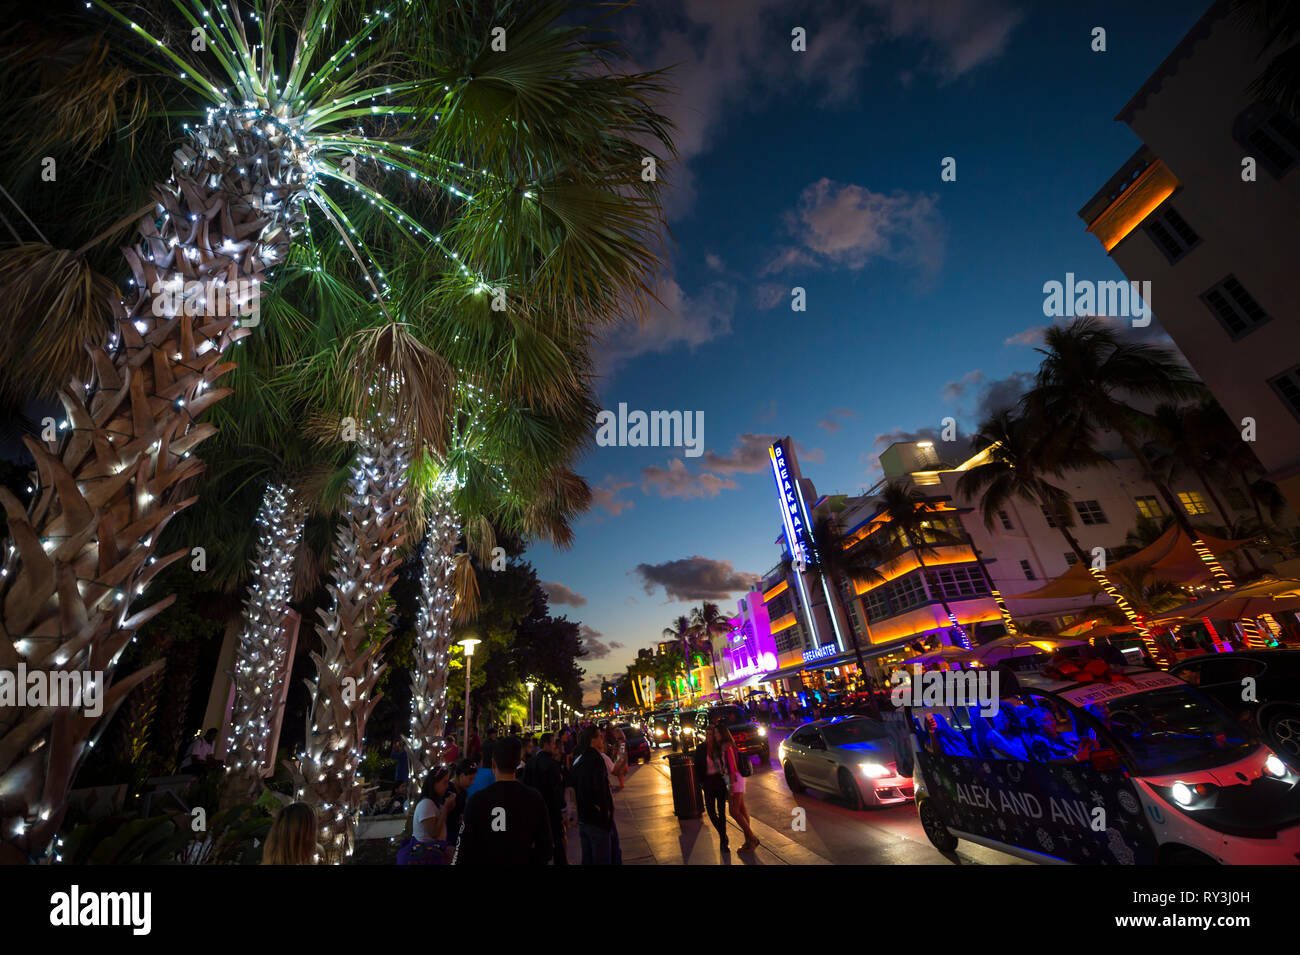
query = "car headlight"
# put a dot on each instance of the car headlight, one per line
(762, 731)
(1274, 766)
(659, 732)
(873, 770)
(1182, 794)
(686, 730)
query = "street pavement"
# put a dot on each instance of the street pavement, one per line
(833, 833)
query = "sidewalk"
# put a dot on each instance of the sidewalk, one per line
(650, 834)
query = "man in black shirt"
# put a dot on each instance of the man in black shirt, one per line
(589, 779)
(505, 823)
(543, 773)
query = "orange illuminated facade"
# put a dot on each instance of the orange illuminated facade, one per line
(1153, 186)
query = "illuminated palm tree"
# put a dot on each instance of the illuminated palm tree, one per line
(332, 131)
(1019, 461)
(914, 521)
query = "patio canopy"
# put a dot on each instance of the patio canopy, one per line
(1266, 595)
(1171, 557)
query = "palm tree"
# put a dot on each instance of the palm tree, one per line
(707, 622)
(842, 558)
(914, 522)
(1080, 384)
(1020, 459)
(680, 633)
(1277, 23)
(239, 195)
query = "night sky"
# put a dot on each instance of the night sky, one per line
(822, 169)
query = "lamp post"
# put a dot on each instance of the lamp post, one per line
(530, 684)
(468, 644)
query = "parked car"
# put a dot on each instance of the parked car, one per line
(749, 734)
(638, 746)
(1260, 687)
(849, 756)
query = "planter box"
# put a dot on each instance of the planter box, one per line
(381, 827)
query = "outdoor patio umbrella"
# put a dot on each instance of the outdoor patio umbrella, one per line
(1267, 595)
(1015, 646)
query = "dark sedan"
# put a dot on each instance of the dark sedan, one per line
(1259, 687)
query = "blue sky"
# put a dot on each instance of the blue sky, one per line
(821, 170)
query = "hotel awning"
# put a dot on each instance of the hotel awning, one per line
(1172, 557)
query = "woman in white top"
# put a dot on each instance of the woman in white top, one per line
(428, 842)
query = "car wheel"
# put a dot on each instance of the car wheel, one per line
(850, 790)
(1282, 731)
(935, 830)
(792, 779)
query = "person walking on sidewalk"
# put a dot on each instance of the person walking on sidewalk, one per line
(729, 761)
(708, 769)
(505, 823)
(589, 779)
(546, 776)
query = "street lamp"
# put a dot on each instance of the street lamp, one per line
(468, 645)
(530, 684)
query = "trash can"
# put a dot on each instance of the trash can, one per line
(686, 791)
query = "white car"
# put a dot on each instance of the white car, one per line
(850, 756)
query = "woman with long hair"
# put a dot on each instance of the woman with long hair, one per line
(292, 839)
(736, 790)
(710, 762)
(428, 844)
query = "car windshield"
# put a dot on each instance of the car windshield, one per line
(853, 731)
(727, 715)
(1172, 730)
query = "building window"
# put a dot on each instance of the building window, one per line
(959, 582)
(1148, 505)
(1172, 235)
(1029, 571)
(1287, 386)
(1271, 136)
(1006, 521)
(1193, 503)
(877, 603)
(907, 592)
(1047, 515)
(1234, 307)
(1090, 512)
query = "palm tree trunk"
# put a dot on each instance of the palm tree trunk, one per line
(433, 640)
(1154, 648)
(348, 663)
(83, 549)
(260, 664)
(916, 551)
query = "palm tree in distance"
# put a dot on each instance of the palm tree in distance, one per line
(1081, 388)
(680, 634)
(842, 562)
(916, 525)
(707, 622)
(1021, 460)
